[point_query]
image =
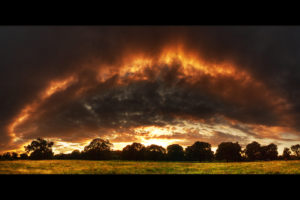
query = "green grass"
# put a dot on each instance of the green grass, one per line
(131, 167)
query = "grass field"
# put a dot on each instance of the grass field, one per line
(131, 167)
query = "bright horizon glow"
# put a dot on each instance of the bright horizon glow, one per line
(133, 69)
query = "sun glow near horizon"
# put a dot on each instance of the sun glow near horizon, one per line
(135, 68)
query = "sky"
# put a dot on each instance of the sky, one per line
(149, 84)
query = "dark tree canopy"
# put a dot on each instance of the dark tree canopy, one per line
(61, 156)
(7, 156)
(286, 155)
(75, 154)
(98, 149)
(40, 149)
(98, 144)
(253, 151)
(175, 152)
(23, 156)
(14, 155)
(296, 150)
(269, 152)
(155, 152)
(199, 151)
(116, 155)
(135, 151)
(229, 151)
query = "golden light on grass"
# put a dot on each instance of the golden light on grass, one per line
(146, 167)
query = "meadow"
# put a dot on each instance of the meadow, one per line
(145, 167)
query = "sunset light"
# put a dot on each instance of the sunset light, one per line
(153, 93)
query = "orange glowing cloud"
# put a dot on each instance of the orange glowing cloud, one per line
(56, 86)
(223, 80)
(26, 112)
(135, 67)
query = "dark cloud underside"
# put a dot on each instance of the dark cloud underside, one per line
(32, 57)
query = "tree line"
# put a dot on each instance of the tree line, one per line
(99, 149)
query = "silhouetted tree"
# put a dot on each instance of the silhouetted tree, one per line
(199, 151)
(7, 156)
(175, 152)
(24, 156)
(253, 151)
(98, 149)
(296, 150)
(286, 155)
(116, 155)
(155, 152)
(61, 156)
(75, 154)
(135, 151)
(14, 156)
(269, 152)
(229, 151)
(41, 149)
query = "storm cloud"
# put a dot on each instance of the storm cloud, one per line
(69, 84)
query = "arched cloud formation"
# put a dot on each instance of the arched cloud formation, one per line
(191, 83)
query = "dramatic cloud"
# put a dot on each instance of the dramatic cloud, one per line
(149, 84)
